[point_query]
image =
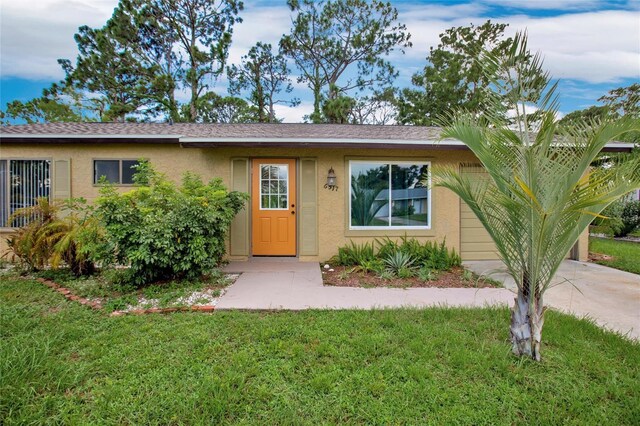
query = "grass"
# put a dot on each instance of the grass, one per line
(626, 254)
(64, 364)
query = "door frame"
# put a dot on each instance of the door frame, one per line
(297, 195)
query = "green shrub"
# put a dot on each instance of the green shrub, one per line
(387, 247)
(430, 254)
(439, 257)
(406, 272)
(427, 274)
(374, 265)
(621, 217)
(354, 254)
(163, 231)
(630, 218)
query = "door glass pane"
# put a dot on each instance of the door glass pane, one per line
(369, 194)
(274, 186)
(408, 195)
(110, 169)
(128, 170)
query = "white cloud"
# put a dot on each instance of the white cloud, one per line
(594, 47)
(265, 24)
(293, 114)
(598, 46)
(548, 4)
(35, 33)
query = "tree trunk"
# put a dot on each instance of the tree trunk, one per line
(526, 326)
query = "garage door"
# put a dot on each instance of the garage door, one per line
(475, 242)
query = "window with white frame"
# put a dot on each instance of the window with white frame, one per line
(22, 182)
(119, 172)
(389, 195)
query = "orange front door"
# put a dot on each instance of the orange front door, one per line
(273, 207)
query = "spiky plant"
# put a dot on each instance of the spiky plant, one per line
(24, 244)
(541, 193)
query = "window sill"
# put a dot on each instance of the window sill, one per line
(401, 232)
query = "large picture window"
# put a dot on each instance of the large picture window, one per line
(119, 172)
(389, 195)
(22, 182)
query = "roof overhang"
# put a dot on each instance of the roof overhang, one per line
(253, 142)
(89, 138)
(320, 143)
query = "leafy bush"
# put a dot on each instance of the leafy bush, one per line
(163, 231)
(387, 247)
(374, 265)
(630, 218)
(427, 274)
(439, 257)
(354, 254)
(429, 254)
(621, 217)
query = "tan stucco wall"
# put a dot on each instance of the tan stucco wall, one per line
(215, 162)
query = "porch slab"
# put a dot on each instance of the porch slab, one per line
(293, 285)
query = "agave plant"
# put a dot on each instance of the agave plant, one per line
(541, 193)
(399, 261)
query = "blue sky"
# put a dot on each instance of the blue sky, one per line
(591, 46)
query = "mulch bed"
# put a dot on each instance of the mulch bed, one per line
(352, 278)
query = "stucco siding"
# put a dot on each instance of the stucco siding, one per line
(332, 214)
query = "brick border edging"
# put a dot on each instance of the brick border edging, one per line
(98, 306)
(69, 295)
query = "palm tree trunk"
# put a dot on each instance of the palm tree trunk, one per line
(526, 325)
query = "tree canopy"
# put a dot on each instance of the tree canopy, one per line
(342, 45)
(453, 80)
(159, 60)
(264, 76)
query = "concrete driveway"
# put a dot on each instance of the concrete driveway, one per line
(608, 296)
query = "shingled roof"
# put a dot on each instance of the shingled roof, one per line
(240, 135)
(231, 131)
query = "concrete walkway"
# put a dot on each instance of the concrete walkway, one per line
(289, 284)
(608, 296)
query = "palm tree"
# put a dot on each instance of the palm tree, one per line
(542, 192)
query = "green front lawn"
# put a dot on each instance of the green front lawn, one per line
(63, 363)
(625, 254)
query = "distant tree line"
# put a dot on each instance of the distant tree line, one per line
(159, 60)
